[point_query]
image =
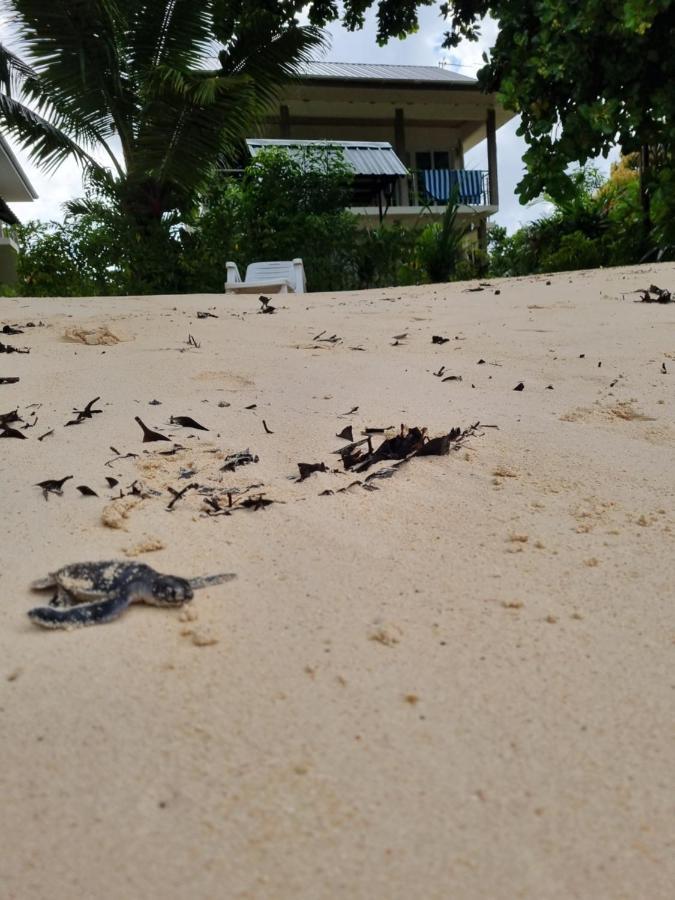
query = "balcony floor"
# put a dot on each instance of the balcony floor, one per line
(408, 213)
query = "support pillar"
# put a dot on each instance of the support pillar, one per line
(284, 121)
(399, 147)
(490, 127)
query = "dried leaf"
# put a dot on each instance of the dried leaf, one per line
(148, 434)
(306, 469)
(187, 422)
(53, 486)
(7, 432)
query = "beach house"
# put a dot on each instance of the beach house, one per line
(405, 131)
(14, 187)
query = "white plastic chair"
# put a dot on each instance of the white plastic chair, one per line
(280, 277)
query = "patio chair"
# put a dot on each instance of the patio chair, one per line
(280, 277)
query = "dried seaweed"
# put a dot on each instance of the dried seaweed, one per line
(178, 495)
(112, 482)
(404, 446)
(519, 387)
(7, 329)
(242, 458)
(46, 434)
(172, 452)
(7, 348)
(438, 339)
(9, 417)
(9, 380)
(87, 413)
(148, 434)
(53, 486)
(191, 342)
(255, 503)
(347, 434)
(306, 469)
(86, 491)
(267, 430)
(206, 315)
(349, 413)
(452, 378)
(119, 455)
(661, 295)
(7, 431)
(266, 305)
(187, 422)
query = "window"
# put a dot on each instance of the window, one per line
(436, 159)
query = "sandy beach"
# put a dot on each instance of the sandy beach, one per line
(457, 685)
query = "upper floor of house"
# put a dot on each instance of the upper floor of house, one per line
(430, 117)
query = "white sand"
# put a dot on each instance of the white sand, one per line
(458, 686)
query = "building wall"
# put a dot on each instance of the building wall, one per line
(417, 137)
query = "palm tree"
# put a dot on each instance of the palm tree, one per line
(159, 89)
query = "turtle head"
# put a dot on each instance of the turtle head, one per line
(168, 590)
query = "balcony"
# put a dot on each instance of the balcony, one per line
(435, 187)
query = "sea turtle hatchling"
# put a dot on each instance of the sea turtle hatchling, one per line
(91, 593)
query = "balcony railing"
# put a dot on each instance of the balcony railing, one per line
(434, 187)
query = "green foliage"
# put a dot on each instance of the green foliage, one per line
(439, 246)
(386, 256)
(600, 224)
(97, 75)
(97, 253)
(284, 206)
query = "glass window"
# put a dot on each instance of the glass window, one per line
(423, 160)
(441, 159)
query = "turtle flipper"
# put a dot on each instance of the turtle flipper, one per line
(63, 599)
(208, 580)
(79, 616)
(42, 584)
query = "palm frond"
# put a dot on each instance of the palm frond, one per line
(13, 71)
(176, 33)
(47, 145)
(271, 58)
(74, 52)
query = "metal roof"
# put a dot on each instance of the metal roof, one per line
(365, 157)
(379, 72)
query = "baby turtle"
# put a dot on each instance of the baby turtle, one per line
(91, 593)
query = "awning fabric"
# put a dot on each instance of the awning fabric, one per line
(364, 157)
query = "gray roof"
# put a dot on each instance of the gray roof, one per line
(379, 72)
(365, 157)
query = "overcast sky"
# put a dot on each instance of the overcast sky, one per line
(423, 48)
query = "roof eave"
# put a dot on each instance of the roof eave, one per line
(18, 171)
(317, 81)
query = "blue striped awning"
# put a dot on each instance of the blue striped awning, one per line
(440, 184)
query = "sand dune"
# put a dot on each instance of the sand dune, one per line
(457, 685)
